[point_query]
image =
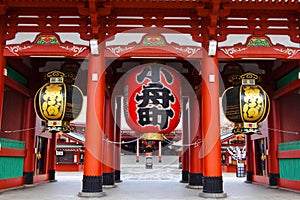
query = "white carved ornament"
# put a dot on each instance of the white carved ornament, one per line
(290, 52)
(75, 49)
(118, 50)
(189, 50)
(15, 49)
(230, 51)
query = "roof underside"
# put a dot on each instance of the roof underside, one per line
(201, 19)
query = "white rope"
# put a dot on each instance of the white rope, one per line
(128, 142)
(273, 129)
(20, 130)
(284, 131)
(183, 145)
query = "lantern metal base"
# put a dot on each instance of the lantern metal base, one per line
(152, 136)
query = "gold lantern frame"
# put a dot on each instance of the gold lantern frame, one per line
(247, 125)
(52, 102)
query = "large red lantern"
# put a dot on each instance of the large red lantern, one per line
(152, 99)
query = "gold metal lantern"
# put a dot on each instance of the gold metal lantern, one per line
(246, 105)
(57, 103)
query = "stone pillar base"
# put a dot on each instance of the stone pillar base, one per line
(52, 175)
(185, 176)
(195, 181)
(28, 178)
(273, 180)
(213, 185)
(197, 187)
(118, 176)
(92, 184)
(213, 195)
(109, 178)
(91, 194)
(249, 177)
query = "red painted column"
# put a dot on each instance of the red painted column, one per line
(2, 63)
(109, 147)
(185, 142)
(52, 158)
(118, 140)
(92, 178)
(211, 147)
(249, 159)
(137, 158)
(159, 152)
(28, 137)
(274, 139)
(196, 160)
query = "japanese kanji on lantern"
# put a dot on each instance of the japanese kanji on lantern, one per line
(152, 99)
(247, 105)
(57, 103)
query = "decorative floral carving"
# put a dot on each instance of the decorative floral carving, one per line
(230, 51)
(77, 50)
(290, 52)
(154, 41)
(259, 42)
(47, 39)
(190, 51)
(117, 50)
(15, 49)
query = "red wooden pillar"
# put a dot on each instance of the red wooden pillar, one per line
(52, 158)
(274, 140)
(196, 160)
(28, 137)
(249, 159)
(137, 158)
(118, 140)
(211, 147)
(159, 152)
(92, 177)
(109, 147)
(185, 142)
(2, 63)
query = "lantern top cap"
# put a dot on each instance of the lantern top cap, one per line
(55, 73)
(56, 76)
(249, 75)
(249, 78)
(244, 79)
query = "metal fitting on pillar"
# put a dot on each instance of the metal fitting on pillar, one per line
(94, 47)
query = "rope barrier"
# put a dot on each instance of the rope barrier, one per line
(20, 130)
(284, 131)
(272, 129)
(127, 142)
(183, 145)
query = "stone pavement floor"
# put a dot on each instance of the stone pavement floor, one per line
(161, 182)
